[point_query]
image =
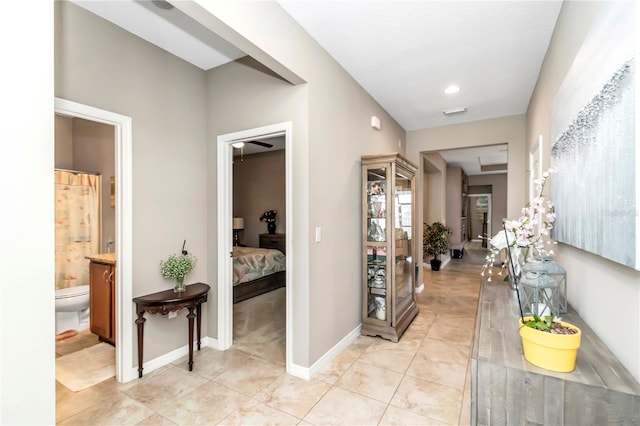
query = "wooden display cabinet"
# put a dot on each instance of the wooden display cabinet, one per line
(388, 263)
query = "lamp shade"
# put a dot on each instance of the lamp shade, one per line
(238, 223)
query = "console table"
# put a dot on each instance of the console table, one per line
(167, 301)
(506, 389)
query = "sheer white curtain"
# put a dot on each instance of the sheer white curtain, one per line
(77, 225)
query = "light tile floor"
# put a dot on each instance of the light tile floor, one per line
(422, 380)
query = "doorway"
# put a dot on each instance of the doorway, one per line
(225, 225)
(125, 370)
(259, 257)
(480, 217)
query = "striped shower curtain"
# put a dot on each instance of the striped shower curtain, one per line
(77, 225)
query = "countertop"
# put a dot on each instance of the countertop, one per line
(108, 258)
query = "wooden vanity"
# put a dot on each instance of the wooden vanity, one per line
(102, 293)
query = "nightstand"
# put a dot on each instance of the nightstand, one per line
(273, 241)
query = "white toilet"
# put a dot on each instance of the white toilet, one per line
(72, 308)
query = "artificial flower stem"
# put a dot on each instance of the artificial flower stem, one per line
(513, 270)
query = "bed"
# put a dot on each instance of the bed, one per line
(257, 271)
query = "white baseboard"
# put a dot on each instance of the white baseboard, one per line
(169, 357)
(420, 288)
(307, 373)
(210, 342)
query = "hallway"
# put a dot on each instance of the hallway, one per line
(423, 379)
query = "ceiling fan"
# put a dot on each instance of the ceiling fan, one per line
(240, 145)
(259, 143)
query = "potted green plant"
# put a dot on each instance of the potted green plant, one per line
(177, 266)
(435, 242)
(549, 343)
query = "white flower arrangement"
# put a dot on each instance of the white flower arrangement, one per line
(177, 265)
(529, 232)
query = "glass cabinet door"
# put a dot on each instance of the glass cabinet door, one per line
(377, 276)
(403, 256)
(377, 283)
(376, 204)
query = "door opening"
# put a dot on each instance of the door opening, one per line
(480, 218)
(225, 225)
(125, 370)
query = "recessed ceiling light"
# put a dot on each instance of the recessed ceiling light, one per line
(452, 89)
(237, 144)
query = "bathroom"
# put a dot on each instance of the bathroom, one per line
(84, 161)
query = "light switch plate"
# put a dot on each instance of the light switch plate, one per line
(318, 234)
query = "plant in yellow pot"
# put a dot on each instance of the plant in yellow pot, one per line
(549, 343)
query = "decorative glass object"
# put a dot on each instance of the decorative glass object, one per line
(180, 286)
(554, 270)
(539, 294)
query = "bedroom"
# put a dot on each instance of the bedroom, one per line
(259, 257)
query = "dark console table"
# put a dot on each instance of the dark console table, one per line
(167, 301)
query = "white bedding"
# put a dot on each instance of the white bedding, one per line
(250, 263)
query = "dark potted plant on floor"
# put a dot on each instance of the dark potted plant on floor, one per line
(435, 242)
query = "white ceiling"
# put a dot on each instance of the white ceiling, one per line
(168, 29)
(404, 53)
(471, 159)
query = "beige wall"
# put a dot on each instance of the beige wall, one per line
(63, 142)
(509, 130)
(326, 193)
(258, 185)
(101, 65)
(435, 188)
(247, 96)
(605, 294)
(331, 132)
(454, 204)
(339, 134)
(498, 183)
(94, 151)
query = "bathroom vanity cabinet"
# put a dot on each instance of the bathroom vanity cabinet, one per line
(388, 246)
(102, 294)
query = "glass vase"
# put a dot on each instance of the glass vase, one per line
(515, 266)
(180, 286)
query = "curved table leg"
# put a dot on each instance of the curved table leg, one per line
(191, 316)
(140, 322)
(199, 321)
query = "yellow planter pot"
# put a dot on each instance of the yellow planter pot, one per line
(555, 352)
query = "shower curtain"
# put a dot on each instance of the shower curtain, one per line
(77, 225)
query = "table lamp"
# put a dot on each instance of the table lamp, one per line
(238, 224)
